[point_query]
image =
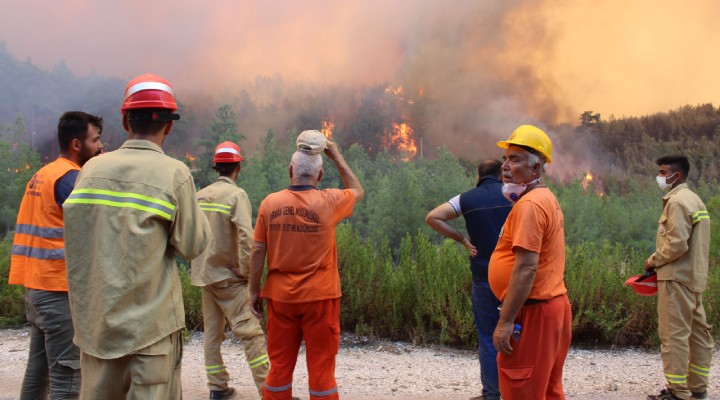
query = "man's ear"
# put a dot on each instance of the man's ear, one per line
(125, 123)
(321, 175)
(168, 127)
(290, 171)
(76, 145)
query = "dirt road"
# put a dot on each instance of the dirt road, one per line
(399, 371)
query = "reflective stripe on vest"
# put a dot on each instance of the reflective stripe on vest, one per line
(45, 233)
(40, 254)
(216, 207)
(122, 200)
(324, 393)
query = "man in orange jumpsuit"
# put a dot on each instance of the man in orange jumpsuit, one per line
(526, 271)
(295, 229)
(38, 262)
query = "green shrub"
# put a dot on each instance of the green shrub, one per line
(192, 297)
(12, 300)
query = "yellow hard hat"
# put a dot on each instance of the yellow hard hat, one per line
(532, 137)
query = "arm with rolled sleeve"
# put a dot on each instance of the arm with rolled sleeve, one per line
(190, 232)
(678, 228)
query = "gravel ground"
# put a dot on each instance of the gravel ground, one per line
(400, 371)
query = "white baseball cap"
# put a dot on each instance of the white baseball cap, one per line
(311, 142)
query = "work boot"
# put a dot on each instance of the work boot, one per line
(699, 396)
(483, 397)
(665, 394)
(228, 393)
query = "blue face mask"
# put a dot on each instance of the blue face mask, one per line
(513, 191)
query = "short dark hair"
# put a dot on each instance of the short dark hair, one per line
(489, 167)
(678, 162)
(142, 123)
(74, 125)
(225, 169)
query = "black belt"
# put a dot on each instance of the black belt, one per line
(530, 302)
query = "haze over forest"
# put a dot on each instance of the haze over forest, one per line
(470, 71)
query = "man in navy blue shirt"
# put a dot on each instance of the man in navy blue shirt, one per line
(485, 210)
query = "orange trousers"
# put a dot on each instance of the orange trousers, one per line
(318, 322)
(534, 369)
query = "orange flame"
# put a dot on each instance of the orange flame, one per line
(190, 156)
(327, 129)
(397, 91)
(27, 166)
(402, 139)
(586, 180)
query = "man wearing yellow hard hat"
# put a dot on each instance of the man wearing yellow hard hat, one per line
(526, 272)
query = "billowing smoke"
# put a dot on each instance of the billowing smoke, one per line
(483, 67)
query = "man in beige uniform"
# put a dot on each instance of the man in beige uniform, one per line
(222, 272)
(681, 262)
(131, 212)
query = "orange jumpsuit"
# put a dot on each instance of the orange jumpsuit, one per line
(534, 369)
(302, 285)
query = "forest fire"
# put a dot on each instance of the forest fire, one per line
(401, 138)
(327, 129)
(192, 159)
(586, 180)
(589, 181)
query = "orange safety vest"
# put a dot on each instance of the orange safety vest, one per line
(38, 251)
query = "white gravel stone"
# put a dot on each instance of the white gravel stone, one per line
(400, 371)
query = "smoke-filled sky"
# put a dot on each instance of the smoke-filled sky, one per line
(490, 64)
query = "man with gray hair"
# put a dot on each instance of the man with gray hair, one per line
(295, 230)
(526, 273)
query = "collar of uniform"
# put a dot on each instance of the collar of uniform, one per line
(226, 179)
(676, 189)
(142, 145)
(488, 177)
(70, 161)
(300, 188)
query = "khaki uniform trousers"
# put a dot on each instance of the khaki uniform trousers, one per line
(686, 344)
(151, 373)
(228, 300)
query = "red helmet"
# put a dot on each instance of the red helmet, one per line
(644, 285)
(149, 91)
(227, 152)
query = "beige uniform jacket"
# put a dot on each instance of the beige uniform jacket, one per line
(228, 209)
(683, 240)
(131, 213)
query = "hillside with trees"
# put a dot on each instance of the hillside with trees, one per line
(400, 279)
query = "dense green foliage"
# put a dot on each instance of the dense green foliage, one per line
(400, 279)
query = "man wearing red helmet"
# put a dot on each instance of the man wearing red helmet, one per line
(131, 213)
(222, 272)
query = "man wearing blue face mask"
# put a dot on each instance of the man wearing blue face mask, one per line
(681, 262)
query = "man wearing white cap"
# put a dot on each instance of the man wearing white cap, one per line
(295, 230)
